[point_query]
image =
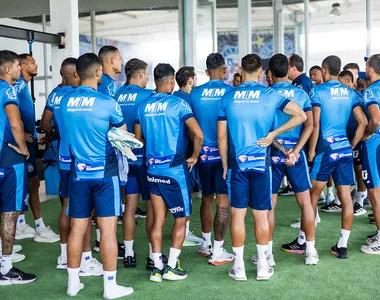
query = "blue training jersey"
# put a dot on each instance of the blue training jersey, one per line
(372, 96)
(183, 95)
(352, 125)
(87, 116)
(129, 98)
(50, 106)
(108, 86)
(303, 82)
(290, 138)
(8, 156)
(162, 119)
(336, 102)
(250, 112)
(26, 107)
(204, 101)
(64, 149)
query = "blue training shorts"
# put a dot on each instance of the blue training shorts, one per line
(64, 183)
(102, 194)
(172, 184)
(137, 182)
(14, 188)
(211, 178)
(31, 161)
(371, 162)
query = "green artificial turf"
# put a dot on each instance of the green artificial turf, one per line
(355, 278)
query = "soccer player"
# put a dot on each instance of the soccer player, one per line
(354, 69)
(298, 175)
(94, 183)
(329, 146)
(358, 197)
(268, 77)
(186, 80)
(371, 175)
(160, 122)
(204, 102)
(129, 97)
(299, 79)
(245, 119)
(315, 74)
(111, 63)
(42, 234)
(237, 80)
(13, 176)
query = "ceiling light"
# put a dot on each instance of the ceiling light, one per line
(335, 11)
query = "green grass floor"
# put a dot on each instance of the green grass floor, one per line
(355, 278)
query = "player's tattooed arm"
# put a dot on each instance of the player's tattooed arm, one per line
(8, 230)
(280, 147)
(221, 223)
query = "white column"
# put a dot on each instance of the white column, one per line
(187, 14)
(306, 23)
(278, 26)
(93, 31)
(245, 27)
(368, 19)
(64, 18)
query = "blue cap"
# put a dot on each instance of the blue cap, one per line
(366, 58)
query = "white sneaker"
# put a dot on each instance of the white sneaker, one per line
(264, 272)
(270, 260)
(117, 291)
(359, 210)
(373, 248)
(296, 225)
(223, 258)
(91, 268)
(26, 233)
(16, 248)
(237, 273)
(330, 197)
(16, 257)
(370, 240)
(62, 263)
(205, 251)
(322, 198)
(311, 258)
(192, 240)
(46, 235)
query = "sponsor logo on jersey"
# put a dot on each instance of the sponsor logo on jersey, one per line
(276, 159)
(334, 156)
(127, 97)
(243, 158)
(151, 161)
(30, 168)
(203, 157)
(156, 107)
(247, 94)
(176, 209)
(158, 180)
(11, 93)
(81, 101)
(330, 140)
(213, 92)
(206, 148)
(339, 91)
(26, 199)
(81, 167)
(286, 93)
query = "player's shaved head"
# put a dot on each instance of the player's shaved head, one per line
(69, 72)
(215, 61)
(279, 65)
(88, 65)
(251, 63)
(332, 64)
(347, 74)
(106, 52)
(164, 78)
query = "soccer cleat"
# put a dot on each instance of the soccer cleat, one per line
(359, 210)
(175, 274)
(62, 263)
(264, 272)
(322, 198)
(120, 250)
(150, 262)
(371, 215)
(46, 235)
(26, 233)
(270, 260)
(130, 261)
(294, 247)
(205, 251)
(332, 208)
(119, 220)
(16, 276)
(330, 198)
(91, 268)
(237, 273)
(140, 213)
(311, 258)
(366, 202)
(156, 275)
(372, 248)
(223, 258)
(286, 191)
(340, 253)
(192, 240)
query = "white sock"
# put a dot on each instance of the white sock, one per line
(337, 201)
(173, 257)
(39, 224)
(109, 279)
(317, 218)
(310, 246)
(270, 247)
(74, 284)
(362, 196)
(238, 253)
(98, 235)
(262, 253)
(330, 190)
(150, 251)
(64, 250)
(129, 248)
(301, 238)
(378, 236)
(206, 238)
(21, 222)
(6, 264)
(123, 208)
(187, 228)
(343, 239)
(86, 256)
(218, 248)
(157, 259)
(285, 181)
